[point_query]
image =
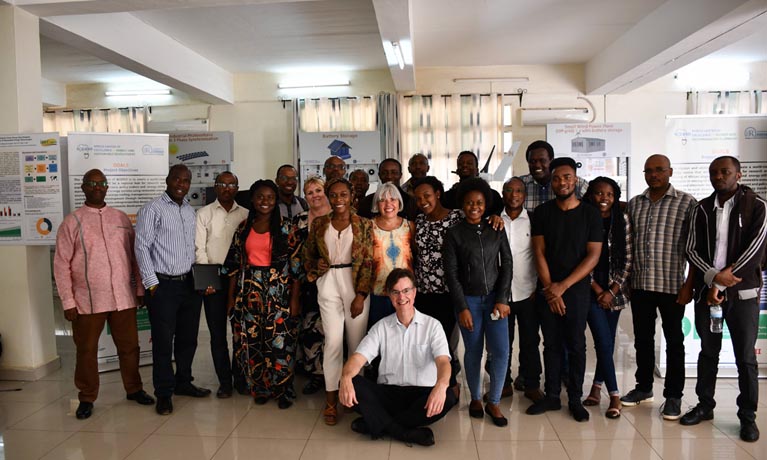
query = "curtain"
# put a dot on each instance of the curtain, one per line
(123, 120)
(727, 102)
(388, 117)
(441, 127)
(337, 114)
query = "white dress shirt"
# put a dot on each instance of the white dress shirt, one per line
(524, 277)
(407, 353)
(722, 231)
(214, 232)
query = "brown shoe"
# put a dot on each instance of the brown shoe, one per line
(330, 414)
(594, 396)
(534, 394)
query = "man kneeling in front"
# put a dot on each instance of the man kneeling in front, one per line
(414, 377)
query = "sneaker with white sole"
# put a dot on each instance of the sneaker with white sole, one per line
(672, 409)
(635, 397)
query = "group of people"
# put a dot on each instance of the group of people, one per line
(367, 293)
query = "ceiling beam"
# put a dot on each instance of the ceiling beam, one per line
(144, 50)
(395, 25)
(674, 35)
(45, 8)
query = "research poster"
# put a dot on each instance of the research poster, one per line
(206, 154)
(358, 149)
(692, 142)
(135, 166)
(30, 189)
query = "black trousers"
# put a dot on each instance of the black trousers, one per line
(389, 408)
(440, 307)
(174, 314)
(526, 315)
(742, 318)
(215, 316)
(568, 333)
(645, 306)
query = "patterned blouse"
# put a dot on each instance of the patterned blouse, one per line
(391, 249)
(429, 236)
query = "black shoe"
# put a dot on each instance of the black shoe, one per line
(497, 421)
(284, 402)
(519, 384)
(241, 387)
(579, 413)
(359, 425)
(314, 385)
(636, 397)
(422, 436)
(544, 405)
(191, 390)
(749, 432)
(141, 397)
(260, 400)
(224, 392)
(696, 415)
(672, 409)
(164, 405)
(84, 410)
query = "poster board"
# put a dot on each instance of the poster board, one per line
(30, 189)
(692, 142)
(358, 149)
(135, 166)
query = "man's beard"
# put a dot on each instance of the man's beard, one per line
(564, 197)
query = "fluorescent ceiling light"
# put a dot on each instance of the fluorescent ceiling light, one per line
(398, 54)
(139, 92)
(492, 80)
(712, 75)
(318, 84)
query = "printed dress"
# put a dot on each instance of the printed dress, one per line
(267, 334)
(311, 335)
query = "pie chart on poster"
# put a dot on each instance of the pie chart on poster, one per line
(44, 226)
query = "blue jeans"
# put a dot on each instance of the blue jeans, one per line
(497, 333)
(603, 324)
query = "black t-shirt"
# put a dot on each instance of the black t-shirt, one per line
(566, 234)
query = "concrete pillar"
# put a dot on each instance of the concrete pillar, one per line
(26, 295)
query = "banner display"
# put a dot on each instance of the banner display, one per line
(359, 149)
(136, 166)
(30, 189)
(207, 154)
(692, 143)
(590, 140)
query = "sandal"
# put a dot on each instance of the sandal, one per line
(614, 411)
(594, 396)
(330, 414)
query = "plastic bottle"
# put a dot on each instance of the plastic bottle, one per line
(716, 318)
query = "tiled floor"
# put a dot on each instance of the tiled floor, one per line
(38, 422)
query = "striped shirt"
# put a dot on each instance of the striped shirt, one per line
(660, 235)
(297, 206)
(538, 194)
(164, 239)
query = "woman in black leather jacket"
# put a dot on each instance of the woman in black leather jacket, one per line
(477, 263)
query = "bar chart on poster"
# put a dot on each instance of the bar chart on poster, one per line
(30, 189)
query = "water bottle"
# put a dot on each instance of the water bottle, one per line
(716, 318)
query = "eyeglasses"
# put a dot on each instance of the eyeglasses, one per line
(405, 291)
(231, 186)
(655, 170)
(93, 183)
(339, 167)
(284, 178)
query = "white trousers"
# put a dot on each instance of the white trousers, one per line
(335, 292)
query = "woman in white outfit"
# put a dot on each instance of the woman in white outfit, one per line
(338, 254)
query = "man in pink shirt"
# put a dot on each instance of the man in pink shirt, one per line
(98, 281)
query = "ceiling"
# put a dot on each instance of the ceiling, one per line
(239, 36)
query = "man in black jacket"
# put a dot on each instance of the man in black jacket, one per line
(726, 246)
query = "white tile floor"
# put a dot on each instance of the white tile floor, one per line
(39, 422)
